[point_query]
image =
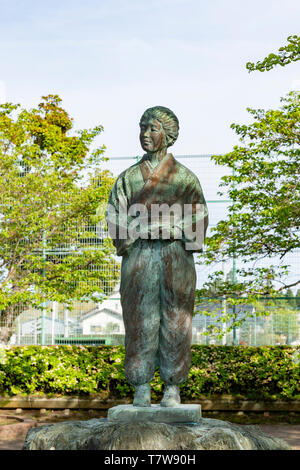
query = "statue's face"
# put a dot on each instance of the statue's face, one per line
(152, 136)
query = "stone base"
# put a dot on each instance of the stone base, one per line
(101, 434)
(154, 414)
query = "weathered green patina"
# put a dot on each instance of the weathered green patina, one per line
(158, 276)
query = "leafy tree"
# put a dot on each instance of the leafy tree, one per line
(290, 297)
(263, 220)
(297, 298)
(48, 206)
(283, 323)
(286, 54)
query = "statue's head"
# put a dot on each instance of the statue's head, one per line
(159, 128)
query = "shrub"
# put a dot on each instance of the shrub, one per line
(258, 373)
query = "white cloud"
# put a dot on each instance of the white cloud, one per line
(2, 92)
(296, 85)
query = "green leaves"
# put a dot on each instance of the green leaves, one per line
(264, 218)
(286, 54)
(51, 184)
(251, 372)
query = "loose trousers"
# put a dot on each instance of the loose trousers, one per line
(158, 282)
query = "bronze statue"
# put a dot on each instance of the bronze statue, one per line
(158, 277)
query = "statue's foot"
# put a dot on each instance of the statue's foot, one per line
(142, 396)
(171, 396)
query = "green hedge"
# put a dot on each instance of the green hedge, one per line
(270, 372)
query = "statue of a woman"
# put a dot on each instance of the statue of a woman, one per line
(158, 276)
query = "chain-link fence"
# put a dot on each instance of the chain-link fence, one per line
(102, 323)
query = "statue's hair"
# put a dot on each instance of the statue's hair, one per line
(167, 119)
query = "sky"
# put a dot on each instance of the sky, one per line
(109, 60)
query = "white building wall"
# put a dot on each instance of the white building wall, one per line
(101, 319)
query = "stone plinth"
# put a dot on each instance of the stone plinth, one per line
(101, 434)
(154, 414)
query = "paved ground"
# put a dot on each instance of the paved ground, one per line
(11, 445)
(290, 433)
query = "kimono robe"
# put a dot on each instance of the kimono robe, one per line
(158, 277)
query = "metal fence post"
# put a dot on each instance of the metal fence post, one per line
(44, 303)
(54, 309)
(234, 277)
(224, 309)
(288, 340)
